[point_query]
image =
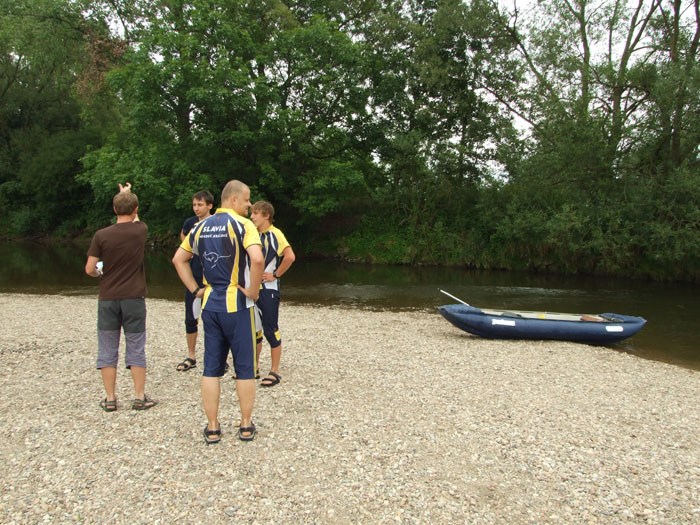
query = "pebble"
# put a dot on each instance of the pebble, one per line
(381, 417)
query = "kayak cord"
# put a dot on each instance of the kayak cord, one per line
(453, 297)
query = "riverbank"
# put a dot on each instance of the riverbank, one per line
(380, 417)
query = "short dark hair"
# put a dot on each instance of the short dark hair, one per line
(204, 195)
(125, 203)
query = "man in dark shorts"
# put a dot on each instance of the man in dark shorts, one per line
(232, 261)
(122, 298)
(202, 202)
(279, 256)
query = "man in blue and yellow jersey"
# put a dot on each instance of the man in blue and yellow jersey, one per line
(202, 202)
(232, 261)
(279, 256)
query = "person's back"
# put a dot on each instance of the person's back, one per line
(220, 243)
(121, 248)
(122, 298)
(229, 247)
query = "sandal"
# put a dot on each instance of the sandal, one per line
(143, 404)
(186, 364)
(250, 429)
(271, 381)
(211, 436)
(108, 406)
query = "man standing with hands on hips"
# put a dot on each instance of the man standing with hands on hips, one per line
(229, 247)
(279, 256)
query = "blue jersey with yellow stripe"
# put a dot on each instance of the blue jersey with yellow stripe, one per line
(273, 245)
(221, 242)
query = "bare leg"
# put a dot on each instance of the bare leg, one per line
(258, 349)
(191, 345)
(211, 390)
(109, 378)
(245, 388)
(138, 374)
(275, 356)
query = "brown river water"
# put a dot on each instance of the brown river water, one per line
(671, 309)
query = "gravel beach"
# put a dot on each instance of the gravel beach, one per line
(380, 417)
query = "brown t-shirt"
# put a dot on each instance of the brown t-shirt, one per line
(120, 247)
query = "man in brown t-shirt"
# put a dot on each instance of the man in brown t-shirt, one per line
(122, 299)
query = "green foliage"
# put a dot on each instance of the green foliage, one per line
(326, 189)
(245, 92)
(43, 58)
(381, 130)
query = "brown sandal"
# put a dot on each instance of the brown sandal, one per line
(248, 430)
(211, 436)
(143, 404)
(108, 406)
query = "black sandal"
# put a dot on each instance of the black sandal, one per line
(186, 364)
(250, 429)
(211, 436)
(143, 404)
(276, 378)
(108, 406)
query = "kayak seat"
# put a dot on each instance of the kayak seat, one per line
(510, 314)
(612, 318)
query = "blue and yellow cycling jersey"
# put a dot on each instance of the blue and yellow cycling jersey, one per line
(273, 245)
(221, 242)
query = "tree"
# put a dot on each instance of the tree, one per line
(605, 99)
(45, 57)
(263, 92)
(438, 135)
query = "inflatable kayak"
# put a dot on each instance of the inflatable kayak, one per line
(502, 324)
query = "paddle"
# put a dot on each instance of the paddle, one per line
(453, 297)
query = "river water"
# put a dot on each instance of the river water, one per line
(671, 309)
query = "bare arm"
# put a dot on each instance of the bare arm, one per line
(181, 261)
(287, 260)
(91, 266)
(257, 263)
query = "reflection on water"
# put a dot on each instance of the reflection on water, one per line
(671, 310)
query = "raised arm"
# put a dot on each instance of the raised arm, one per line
(127, 189)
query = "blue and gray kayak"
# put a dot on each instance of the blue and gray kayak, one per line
(503, 324)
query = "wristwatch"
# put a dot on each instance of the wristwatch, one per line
(196, 290)
(274, 274)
